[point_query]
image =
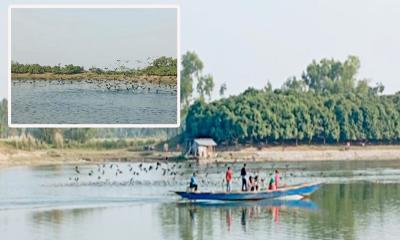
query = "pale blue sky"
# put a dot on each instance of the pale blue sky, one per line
(247, 43)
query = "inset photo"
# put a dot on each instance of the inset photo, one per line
(94, 66)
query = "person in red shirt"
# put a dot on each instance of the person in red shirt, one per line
(228, 178)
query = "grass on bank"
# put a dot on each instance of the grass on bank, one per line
(29, 143)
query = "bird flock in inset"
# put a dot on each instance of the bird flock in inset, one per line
(131, 86)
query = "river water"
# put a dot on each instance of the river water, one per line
(91, 102)
(358, 200)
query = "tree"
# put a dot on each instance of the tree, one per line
(363, 87)
(332, 76)
(162, 66)
(191, 68)
(222, 89)
(205, 85)
(293, 84)
(191, 72)
(268, 87)
(378, 89)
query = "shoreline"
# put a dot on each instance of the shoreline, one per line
(311, 153)
(10, 156)
(152, 79)
(14, 157)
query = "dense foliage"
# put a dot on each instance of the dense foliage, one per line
(327, 105)
(259, 116)
(36, 69)
(162, 66)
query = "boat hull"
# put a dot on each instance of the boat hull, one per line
(302, 190)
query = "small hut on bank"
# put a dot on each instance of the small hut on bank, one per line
(202, 147)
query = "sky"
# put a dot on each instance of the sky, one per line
(246, 44)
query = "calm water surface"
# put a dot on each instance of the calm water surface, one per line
(55, 102)
(359, 200)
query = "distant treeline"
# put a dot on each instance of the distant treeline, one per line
(327, 105)
(37, 69)
(162, 66)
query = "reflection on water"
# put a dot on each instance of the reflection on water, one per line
(41, 203)
(45, 102)
(346, 211)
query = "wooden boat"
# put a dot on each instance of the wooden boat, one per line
(302, 190)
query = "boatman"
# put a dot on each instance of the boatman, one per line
(193, 183)
(243, 174)
(228, 178)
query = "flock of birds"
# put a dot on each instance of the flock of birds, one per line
(135, 86)
(166, 173)
(108, 172)
(132, 86)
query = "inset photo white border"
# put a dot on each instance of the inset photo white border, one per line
(94, 6)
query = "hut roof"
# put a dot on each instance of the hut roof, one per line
(205, 141)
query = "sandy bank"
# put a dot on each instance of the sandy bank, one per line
(313, 153)
(13, 157)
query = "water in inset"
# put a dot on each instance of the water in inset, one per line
(92, 102)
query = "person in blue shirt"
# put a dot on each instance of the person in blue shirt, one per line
(193, 183)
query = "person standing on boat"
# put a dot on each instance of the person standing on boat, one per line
(243, 174)
(193, 183)
(228, 178)
(256, 183)
(272, 185)
(277, 178)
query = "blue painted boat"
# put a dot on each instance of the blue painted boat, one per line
(302, 190)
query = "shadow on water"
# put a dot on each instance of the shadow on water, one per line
(203, 219)
(58, 216)
(347, 208)
(280, 203)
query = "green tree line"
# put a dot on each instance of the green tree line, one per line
(37, 69)
(326, 105)
(162, 66)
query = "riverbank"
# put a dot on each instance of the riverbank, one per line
(312, 153)
(14, 157)
(10, 156)
(152, 79)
